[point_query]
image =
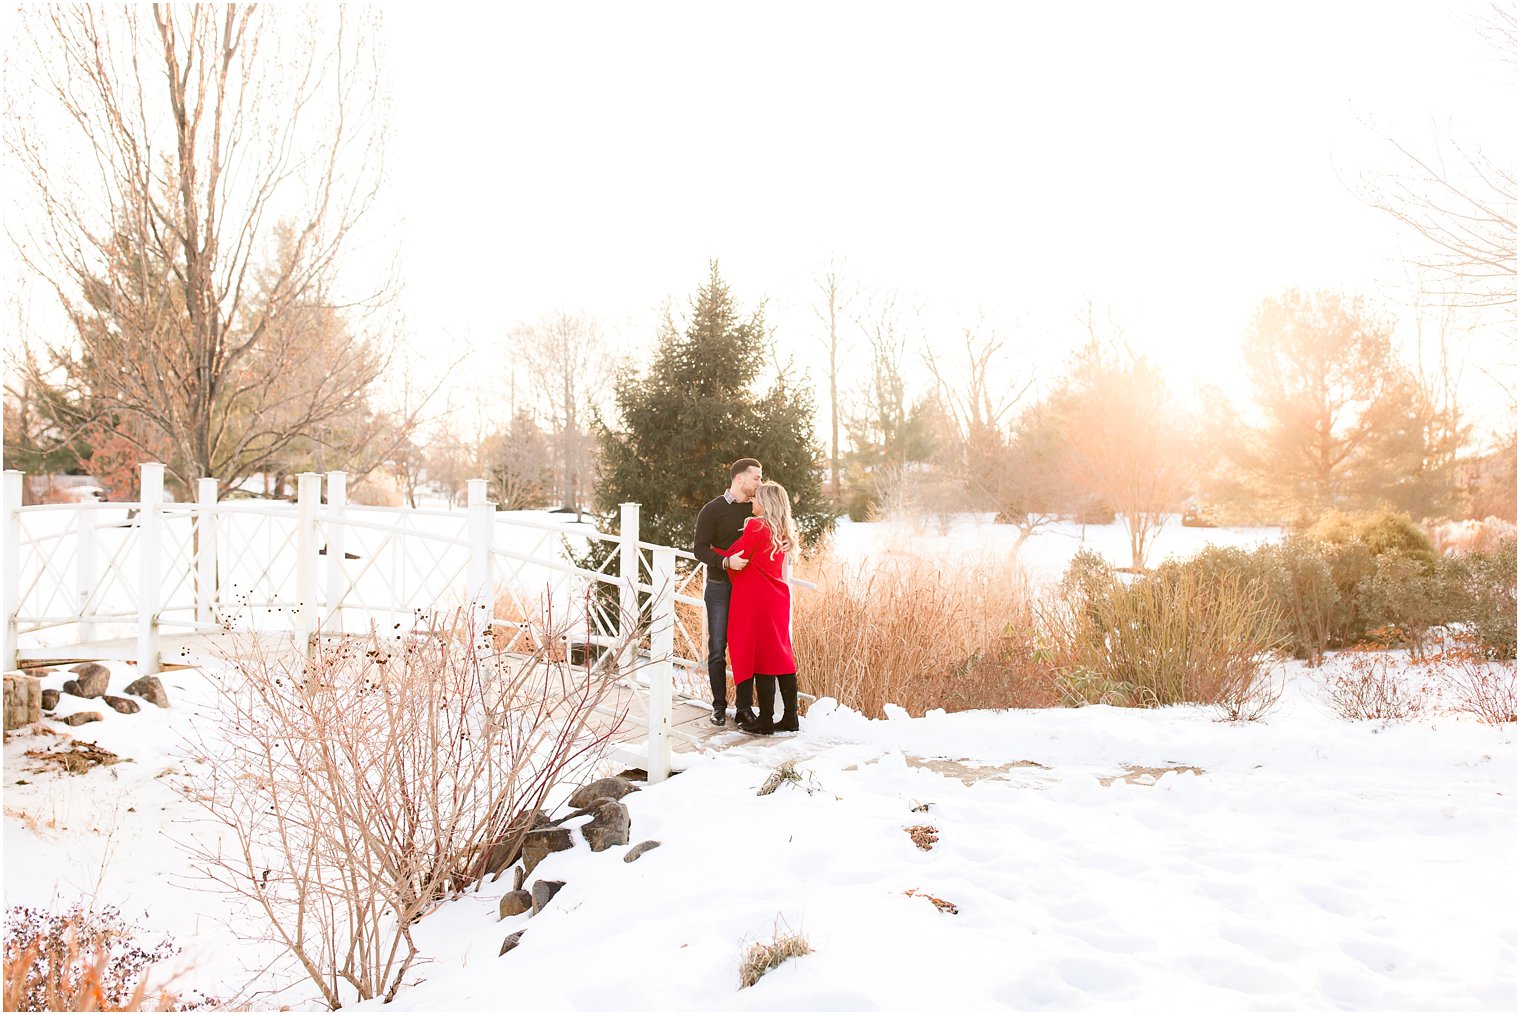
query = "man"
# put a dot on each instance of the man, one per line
(719, 523)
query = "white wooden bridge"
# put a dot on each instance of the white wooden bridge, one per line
(157, 582)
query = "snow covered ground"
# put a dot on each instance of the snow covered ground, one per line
(1098, 858)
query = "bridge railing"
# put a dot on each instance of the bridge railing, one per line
(320, 566)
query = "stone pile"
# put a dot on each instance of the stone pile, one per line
(26, 700)
(609, 826)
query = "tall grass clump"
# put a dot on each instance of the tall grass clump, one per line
(918, 635)
(1180, 634)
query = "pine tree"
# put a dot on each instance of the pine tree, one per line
(695, 411)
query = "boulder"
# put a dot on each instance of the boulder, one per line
(37, 671)
(149, 689)
(91, 680)
(509, 943)
(80, 718)
(543, 891)
(507, 849)
(540, 842)
(513, 903)
(608, 826)
(23, 700)
(126, 706)
(50, 698)
(613, 787)
(639, 850)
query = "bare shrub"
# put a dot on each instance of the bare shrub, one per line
(1477, 686)
(1178, 635)
(919, 635)
(763, 956)
(81, 960)
(1374, 686)
(368, 784)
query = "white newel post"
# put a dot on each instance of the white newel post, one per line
(308, 499)
(85, 573)
(628, 584)
(12, 563)
(150, 532)
(205, 551)
(662, 621)
(337, 590)
(480, 520)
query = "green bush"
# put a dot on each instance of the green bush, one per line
(1402, 599)
(1180, 634)
(1481, 595)
(1382, 531)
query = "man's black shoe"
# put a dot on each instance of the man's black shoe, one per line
(719, 716)
(756, 727)
(742, 716)
(788, 725)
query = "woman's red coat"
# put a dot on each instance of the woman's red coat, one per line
(760, 612)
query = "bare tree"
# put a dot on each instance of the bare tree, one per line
(1125, 443)
(193, 178)
(1459, 199)
(569, 366)
(834, 296)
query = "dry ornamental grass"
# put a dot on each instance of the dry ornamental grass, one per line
(763, 956)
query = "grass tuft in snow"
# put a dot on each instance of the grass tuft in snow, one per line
(763, 956)
(923, 836)
(782, 773)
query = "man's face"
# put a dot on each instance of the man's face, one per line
(749, 481)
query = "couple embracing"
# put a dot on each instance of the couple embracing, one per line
(748, 541)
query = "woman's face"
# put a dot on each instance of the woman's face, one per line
(754, 507)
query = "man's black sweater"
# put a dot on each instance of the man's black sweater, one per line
(719, 523)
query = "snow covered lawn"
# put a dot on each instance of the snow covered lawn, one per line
(1096, 858)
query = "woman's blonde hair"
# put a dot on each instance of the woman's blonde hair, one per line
(776, 508)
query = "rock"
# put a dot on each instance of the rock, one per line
(540, 842)
(509, 943)
(608, 826)
(37, 671)
(514, 902)
(50, 698)
(149, 689)
(519, 878)
(613, 787)
(508, 849)
(543, 891)
(23, 700)
(639, 850)
(91, 682)
(126, 706)
(80, 718)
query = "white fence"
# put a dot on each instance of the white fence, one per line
(322, 567)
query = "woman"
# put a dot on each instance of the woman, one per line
(760, 614)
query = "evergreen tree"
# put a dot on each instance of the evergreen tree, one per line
(695, 411)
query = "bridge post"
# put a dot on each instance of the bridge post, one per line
(85, 573)
(308, 499)
(662, 621)
(628, 585)
(480, 521)
(205, 551)
(150, 532)
(337, 502)
(12, 564)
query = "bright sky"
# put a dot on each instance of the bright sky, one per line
(1174, 162)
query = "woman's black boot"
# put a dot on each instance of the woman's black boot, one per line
(788, 723)
(765, 689)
